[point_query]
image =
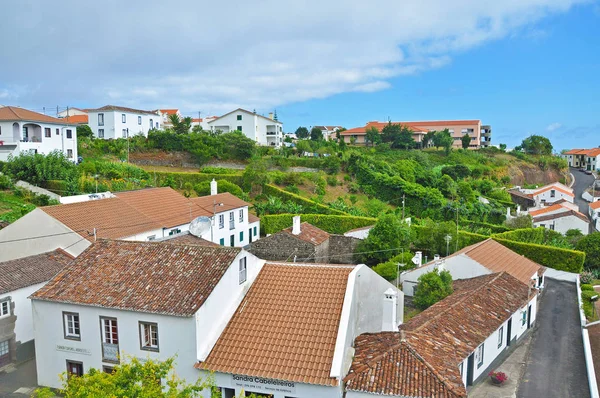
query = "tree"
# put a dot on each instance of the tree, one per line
(303, 146)
(302, 132)
(432, 287)
(372, 135)
(390, 132)
(537, 145)
(443, 139)
(180, 126)
(519, 222)
(502, 147)
(574, 236)
(389, 269)
(398, 136)
(427, 138)
(590, 245)
(84, 131)
(316, 134)
(466, 141)
(255, 176)
(386, 239)
(134, 379)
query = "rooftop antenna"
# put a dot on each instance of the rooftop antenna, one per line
(200, 225)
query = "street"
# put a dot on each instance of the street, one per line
(555, 367)
(582, 182)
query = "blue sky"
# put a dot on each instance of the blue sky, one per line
(523, 66)
(544, 79)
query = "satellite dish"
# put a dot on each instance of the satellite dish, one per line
(200, 225)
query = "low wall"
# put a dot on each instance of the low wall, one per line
(38, 190)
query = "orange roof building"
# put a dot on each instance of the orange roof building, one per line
(588, 159)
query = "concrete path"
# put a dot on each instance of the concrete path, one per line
(20, 382)
(513, 366)
(555, 365)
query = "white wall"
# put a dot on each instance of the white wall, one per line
(546, 196)
(221, 304)
(563, 224)
(22, 309)
(225, 233)
(56, 142)
(360, 234)
(113, 125)
(38, 223)
(176, 337)
(253, 126)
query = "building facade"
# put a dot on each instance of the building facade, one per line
(267, 131)
(560, 217)
(588, 159)
(22, 130)
(112, 122)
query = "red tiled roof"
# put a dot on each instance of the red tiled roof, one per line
(169, 111)
(120, 109)
(422, 359)
(186, 238)
(595, 205)
(567, 213)
(549, 187)
(554, 207)
(309, 233)
(418, 126)
(286, 326)
(518, 193)
(77, 119)
(28, 271)
(252, 218)
(11, 113)
(586, 152)
(379, 126)
(141, 276)
(229, 202)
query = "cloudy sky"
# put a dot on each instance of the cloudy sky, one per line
(524, 66)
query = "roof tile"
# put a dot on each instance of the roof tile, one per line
(27, 271)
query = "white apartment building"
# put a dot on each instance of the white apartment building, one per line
(72, 112)
(589, 159)
(111, 122)
(213, 308)
(22, 130)
(203, 122)
(263, 130)
(141, 215)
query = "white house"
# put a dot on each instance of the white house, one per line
(72, 112)
(111, 122)
(20, 278)
(359, 233)
(550, 193)
(213, 307)
(482, 258)
(328, 131)
(589, 159)
(22, 130)
(263, 130)
(447, 347)
(141, 215)
(165, 115)
(595, 214)
(203, 122)
(560, 217)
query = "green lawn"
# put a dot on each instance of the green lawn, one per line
(13, 207)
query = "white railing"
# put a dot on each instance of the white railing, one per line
(110, 352)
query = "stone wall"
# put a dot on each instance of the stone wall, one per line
(340, 247)
(282, 247)
(7, 332)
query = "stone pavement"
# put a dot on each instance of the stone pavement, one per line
(513, 366)
(20, 381)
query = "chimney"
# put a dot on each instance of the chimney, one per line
(296, 225)
(271, 115)
(436, 258)
(518, 209)
(388, 319)
(418, 259)
(213, 187)
(441, 266)
(508, 212)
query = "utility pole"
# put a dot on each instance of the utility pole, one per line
(456, 247)
(127, 144)
(403, 197)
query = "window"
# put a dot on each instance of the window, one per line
(552, 227)
(57, 131)
(222, 241)
(101, 119)
(110, 333)
(479, 356)
(523, 317)
(70, 153)
(124, 133)
(241, 237)
(174, 231)
(242, 270)
(74, 368)
(69, 133)
(221, 221)
(123, 118)
(232, 240)
(500, 336)
(100, 133)
(552, 193)
(47, 132)
(149, 336)
(242, 215)
(4, 349)
(239, 117)
(25, 133)
(151, 124)
(0, 130)
(5, 307)
(231, 221)
(156, 124)
(239, 128)
(140, 120)
(108, 369)
(152, 237)
(71, 325)
(254, 231)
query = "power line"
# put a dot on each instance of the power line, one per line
(43, 236)
(351, 254)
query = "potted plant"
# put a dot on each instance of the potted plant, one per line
(498, 377)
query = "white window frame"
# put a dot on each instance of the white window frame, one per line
(241, 215)
(231, 220)
(149, 336)
(100, 133)
(72, 325)
(221, 221)
(479, 355)
(140, 120)
(101, 119)
(4, 307)
(500, 336)
(123, 118)
(70, 153)
(112, 324)
(243, 270)
(4, 347)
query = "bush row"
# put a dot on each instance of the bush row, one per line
(552, 257)
(309, 205)
(495, 228)
(333, 224)
(178, 180)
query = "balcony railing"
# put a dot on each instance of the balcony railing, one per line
(231, 224)
(271, 132)
(110, 352)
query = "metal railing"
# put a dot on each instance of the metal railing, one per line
(110, 352)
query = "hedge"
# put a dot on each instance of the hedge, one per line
(309, 205)
(57, 186)
(177, 180)
(468, 238)
(333, 224)
(548, 256)
(539, 236)
(495, 228)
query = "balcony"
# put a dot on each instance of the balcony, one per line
(271, 133)
(110, 352)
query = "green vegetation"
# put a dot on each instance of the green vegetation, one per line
(386, 239)
(590, 245)
(552, 257)
(588, 305)
(333, 224)
(432, 287)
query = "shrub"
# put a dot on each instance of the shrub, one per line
(178, 180)
(432, 287)
(587, 303)
(347, 178)
(389, 269)
(540, 236)
(551, 257)
(309, 205)
(586, 277)
(292, 189)
(203, 188)
(215, 170)
(334, 224)
(332, 181)
(590, 245)
(332, 164)
(5, 182)
(385, 240)
(587, 287)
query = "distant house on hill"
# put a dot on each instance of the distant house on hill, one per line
(260, 129)
(589, 159)
(111, 122)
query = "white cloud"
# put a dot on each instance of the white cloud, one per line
(553, 127)
(213, 56)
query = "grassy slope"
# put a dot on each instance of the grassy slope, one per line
(13, 207)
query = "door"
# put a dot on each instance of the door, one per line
(4, 353)
(250, 235)
(508, 332)
(232, 240)
(74, 368)
(470, 369)
(528, 317)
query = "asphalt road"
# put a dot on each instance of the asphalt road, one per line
(555, 367)
(582, 182)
